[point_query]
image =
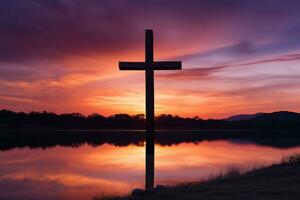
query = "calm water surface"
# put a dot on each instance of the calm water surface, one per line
(86, 171)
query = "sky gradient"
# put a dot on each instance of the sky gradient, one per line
(239, 56)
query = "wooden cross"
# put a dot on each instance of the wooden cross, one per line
(149, 66)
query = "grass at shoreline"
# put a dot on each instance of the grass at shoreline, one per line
(279, 181)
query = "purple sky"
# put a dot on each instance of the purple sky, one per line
(239, 56)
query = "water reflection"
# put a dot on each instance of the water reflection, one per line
(87, 171)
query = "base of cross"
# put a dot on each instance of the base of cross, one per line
(149, 172)
(150, 156)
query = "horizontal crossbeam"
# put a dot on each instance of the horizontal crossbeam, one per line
(167, 65)
(162, 65)
(132, 65)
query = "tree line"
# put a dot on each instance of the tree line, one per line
(10, 119)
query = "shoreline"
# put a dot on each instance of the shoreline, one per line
(46, 130)
(278, 181)
(41, 139)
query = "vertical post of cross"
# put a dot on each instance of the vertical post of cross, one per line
(150, 134)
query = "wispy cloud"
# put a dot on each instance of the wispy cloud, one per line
(208, 71)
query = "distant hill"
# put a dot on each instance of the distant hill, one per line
(243, 117)
(280, 116)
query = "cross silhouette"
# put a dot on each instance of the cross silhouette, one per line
(149, 66)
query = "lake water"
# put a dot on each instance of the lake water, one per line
(83, 170)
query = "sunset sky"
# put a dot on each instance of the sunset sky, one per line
(239, 56)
